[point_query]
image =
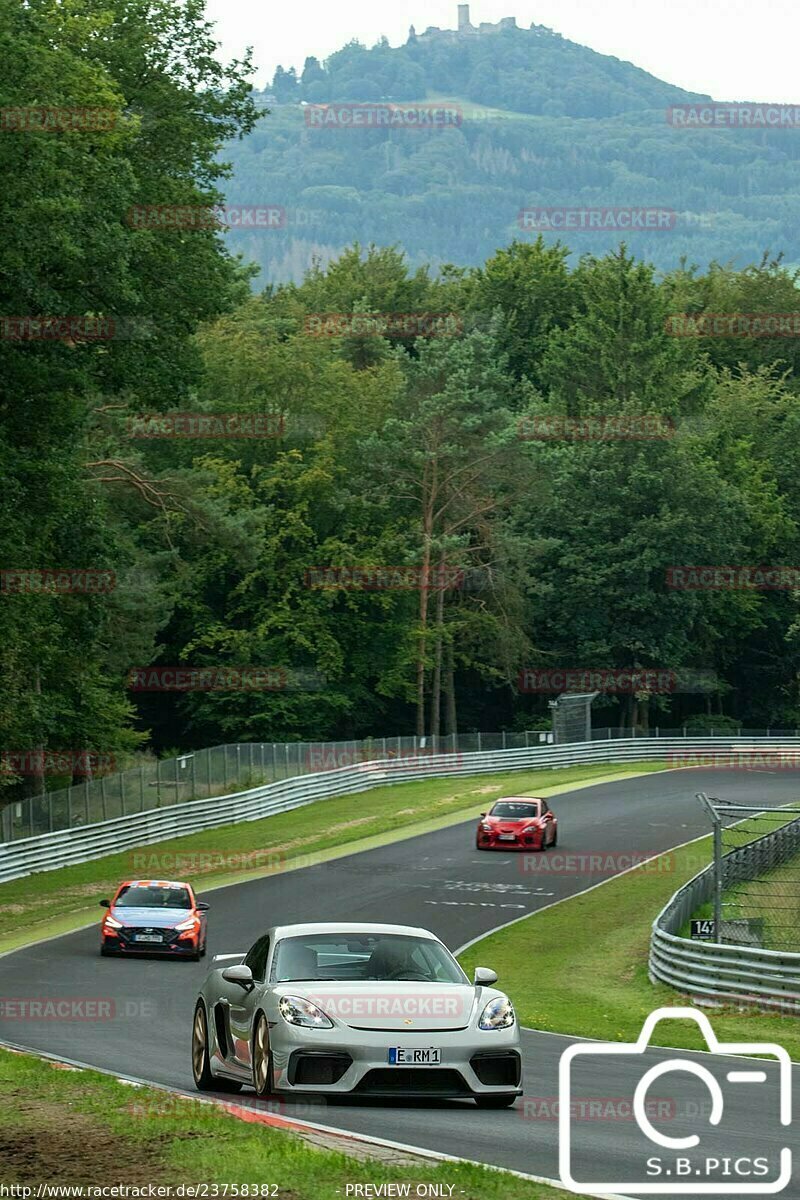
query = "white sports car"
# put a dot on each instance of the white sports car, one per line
(367, 1010)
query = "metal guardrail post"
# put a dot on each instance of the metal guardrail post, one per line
(718, 879)
(724, 970)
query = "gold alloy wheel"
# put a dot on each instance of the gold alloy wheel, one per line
(199, 1043)
(261, 1057)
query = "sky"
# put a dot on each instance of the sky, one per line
(731, 49)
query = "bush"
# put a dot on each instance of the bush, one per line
(716, 723)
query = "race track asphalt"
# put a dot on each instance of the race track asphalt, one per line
(441, 882)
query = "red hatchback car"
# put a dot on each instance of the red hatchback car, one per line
(517, 823)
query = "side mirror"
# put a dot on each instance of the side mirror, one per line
(239, 974)
(105, 904)
(202, 906)
(483, 814)
(484, 976)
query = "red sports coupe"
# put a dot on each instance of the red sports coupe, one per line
(517, 823)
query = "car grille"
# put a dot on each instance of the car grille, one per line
(497, 1070)
(168, 937)
(432, 1081)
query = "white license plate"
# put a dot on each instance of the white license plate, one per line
(420, 1056)
(507, 837)
(148, 937)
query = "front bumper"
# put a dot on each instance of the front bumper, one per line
(172, 945)
(344, 1061)
(490, 841)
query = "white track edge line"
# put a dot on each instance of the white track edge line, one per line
(577, 1037)
(345, 1135)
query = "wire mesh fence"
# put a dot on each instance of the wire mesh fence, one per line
(572, 717)
(220, 770)
(200, 774)
(760, 880)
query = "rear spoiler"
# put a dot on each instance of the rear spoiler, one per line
(227, 957)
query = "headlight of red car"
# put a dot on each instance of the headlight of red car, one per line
(189, 927)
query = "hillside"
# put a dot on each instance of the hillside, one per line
(532, 70)
(545, 122)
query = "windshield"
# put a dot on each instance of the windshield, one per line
(515, 809)
(336, 956)
(153, 897)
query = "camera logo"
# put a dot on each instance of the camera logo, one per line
(682, 1165)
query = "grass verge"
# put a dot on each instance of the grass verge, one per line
(54, 902)
(770, 901)
(580, 966)
(80, 1128)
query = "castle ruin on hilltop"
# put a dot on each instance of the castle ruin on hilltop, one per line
(465, 27)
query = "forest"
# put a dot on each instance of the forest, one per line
(391, 519)
(541, 121)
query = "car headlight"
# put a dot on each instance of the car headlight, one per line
(297, 1011)
(192, 923)
(112, 924)
(486, 828)
(498, 1014)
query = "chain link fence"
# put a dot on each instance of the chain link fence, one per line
(572, 717)
(756, 875)
(760, 902)
(200, 774)
(221, 770)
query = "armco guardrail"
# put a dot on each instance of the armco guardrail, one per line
(714, 971)
(69, 846)
(221, 770)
